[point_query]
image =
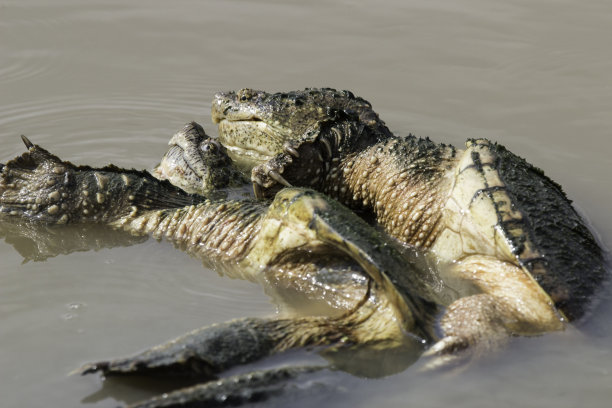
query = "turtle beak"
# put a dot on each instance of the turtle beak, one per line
(225, 106)
(221, 103)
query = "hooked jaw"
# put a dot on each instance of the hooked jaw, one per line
(229, 106)
(221, 104)
(249, 139)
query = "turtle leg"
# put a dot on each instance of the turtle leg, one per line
(510, 303)
(244, 389)
(324, 220)
(206, 352)
(41, 187)
(472, 326)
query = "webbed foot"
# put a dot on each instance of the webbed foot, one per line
(206, 352)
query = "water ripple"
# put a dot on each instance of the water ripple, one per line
(98, 130)
(20, 70)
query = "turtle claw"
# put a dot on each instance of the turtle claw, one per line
(278, 178)
(448, 345)
(291, 150)
(451, 351)
(258, 190)
(267, 177)
(328, 147)
(27, 142)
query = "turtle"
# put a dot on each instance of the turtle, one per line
(518, 258)
(305, 248)
(197, 163)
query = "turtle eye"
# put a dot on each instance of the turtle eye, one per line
(209, 147)
(244, 95)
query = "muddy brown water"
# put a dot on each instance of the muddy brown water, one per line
(111, 81)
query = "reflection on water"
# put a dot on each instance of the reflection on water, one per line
(36, 242)
(101, 81)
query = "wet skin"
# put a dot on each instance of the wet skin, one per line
(301, 242)
(521, 259)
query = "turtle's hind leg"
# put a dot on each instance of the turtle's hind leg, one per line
(510, 303)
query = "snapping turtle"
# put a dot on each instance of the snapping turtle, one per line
(520, 258)
(303, 242)
(197, 163)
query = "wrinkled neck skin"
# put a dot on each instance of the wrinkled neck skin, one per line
(218, 233)
(401, 181)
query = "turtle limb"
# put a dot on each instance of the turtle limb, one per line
(206, 352)
(321, 219)
(304, 161)
(241, 389)
(472, 326)
(308, 161)
(511, 303)
(41, 187)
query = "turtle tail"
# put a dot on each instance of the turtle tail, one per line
(39, 186)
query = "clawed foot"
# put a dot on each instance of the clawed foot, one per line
(187, 368)
(32, 185)
(267, 177)
(449, 352)
(302, 163)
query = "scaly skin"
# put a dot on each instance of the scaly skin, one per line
(197, 163)
(302, 234)
(284, 122)
(481, 210)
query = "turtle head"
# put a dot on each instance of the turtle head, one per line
(256, 125)
(197, 163)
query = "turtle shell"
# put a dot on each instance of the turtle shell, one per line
(539, 226)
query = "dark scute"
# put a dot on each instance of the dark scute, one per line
(573, 261)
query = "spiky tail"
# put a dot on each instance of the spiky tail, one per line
(39, 186)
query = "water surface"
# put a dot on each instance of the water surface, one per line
(111, 81)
